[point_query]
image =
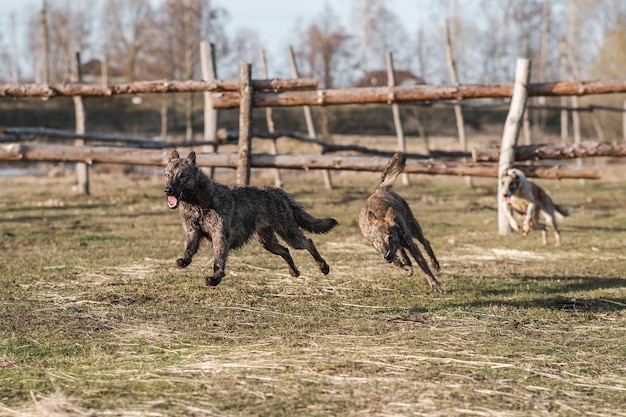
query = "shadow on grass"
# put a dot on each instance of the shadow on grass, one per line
(70, 216)
(567, 293)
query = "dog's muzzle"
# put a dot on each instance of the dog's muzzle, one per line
(172, 199)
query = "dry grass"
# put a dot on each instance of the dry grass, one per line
(97, 320)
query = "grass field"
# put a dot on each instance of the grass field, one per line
(96, 319)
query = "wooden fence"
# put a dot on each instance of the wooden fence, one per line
(248, 93)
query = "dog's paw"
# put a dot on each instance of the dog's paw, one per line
(294, 272)
(324, 268)
(183, 262)
(436, 288)
(215, 279)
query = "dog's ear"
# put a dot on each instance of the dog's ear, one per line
(390, 216)
(174, 155)
(192, 158)
(372, 218)
(512, 173)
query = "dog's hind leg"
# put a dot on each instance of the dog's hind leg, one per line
(432, 281)
(297, 240)
(551, 221)
(271, 244)
(416, 231)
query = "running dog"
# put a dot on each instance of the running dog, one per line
(229, 216)
(530, 200)
(387, 222)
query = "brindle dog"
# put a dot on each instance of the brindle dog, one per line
(386, 220)
(229, 216)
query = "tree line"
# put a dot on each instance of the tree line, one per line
(147, 40)
(131, 40)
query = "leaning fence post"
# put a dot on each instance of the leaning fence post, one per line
(245, 120)
(278, 180)
(395, 109)
(308, 116)
(624, 121)
(82, 170)
(510, 134)
(209, 73)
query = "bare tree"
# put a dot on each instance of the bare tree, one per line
(324, 47)
(183, 24)
(380, 31)
(127, 35)
(67, 29)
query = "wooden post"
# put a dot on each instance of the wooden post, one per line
(510, 135)
(278, 181)
(458, 112)
(82, 171)
(245, 123)
(395, 108)
(624, 121)
(307, 116)
(209, 73)
(44, 64)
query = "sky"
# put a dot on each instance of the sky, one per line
(273, 20)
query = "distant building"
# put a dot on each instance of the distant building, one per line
(92, 72)
(379, 79)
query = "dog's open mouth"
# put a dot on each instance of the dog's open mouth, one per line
(507, 198)
(172, 201)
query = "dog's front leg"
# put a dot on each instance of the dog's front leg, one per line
(220, 254)
(511, 219)
(530, 214)
(192, 243)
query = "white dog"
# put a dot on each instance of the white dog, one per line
(528, 199)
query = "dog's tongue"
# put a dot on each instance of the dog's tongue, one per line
(172, 201)
(507, 199)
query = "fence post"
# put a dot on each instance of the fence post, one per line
(458, 111)
(245, 121)
(308, 117)
(82, 170)
(395, 108)
(510, 135)
(209, 73)
(278, 180)
(624, 122)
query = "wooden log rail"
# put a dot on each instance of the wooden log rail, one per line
(269, 93)
(555, 151)
(110, 155)
(146, 87)
(18, 134)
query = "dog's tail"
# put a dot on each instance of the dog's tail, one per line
(395, 166)
(564, 211)
(310, 223)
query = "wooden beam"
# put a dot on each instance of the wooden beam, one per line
(268, 93)
(555, 151)
(404, 94)
(147, 87)
(128, 156)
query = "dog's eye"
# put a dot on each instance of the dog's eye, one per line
(167, 175)
(183, 175)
